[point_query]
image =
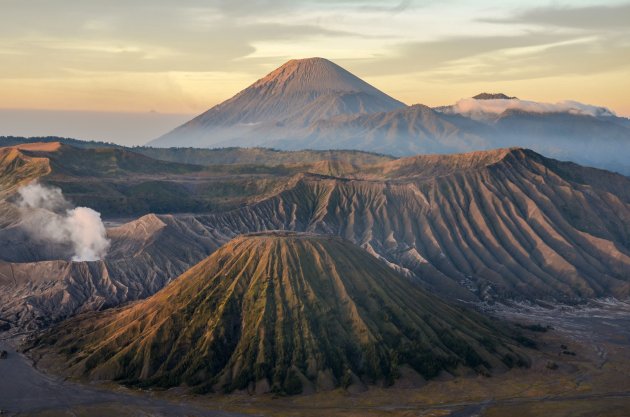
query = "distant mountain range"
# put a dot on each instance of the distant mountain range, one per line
(315, 104)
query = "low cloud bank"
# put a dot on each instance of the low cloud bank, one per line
(49, 217)
(480, 108)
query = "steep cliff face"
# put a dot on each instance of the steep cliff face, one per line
(284, 312)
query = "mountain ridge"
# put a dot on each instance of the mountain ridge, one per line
(286, 110)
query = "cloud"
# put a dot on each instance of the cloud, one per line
(590, 17)
(145, 36)
(518, 57)
(480, 109)
(47, 216)
(99, 49)
(409, 57)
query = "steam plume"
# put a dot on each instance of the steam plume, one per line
(48, 216)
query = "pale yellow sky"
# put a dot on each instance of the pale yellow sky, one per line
(185, 56)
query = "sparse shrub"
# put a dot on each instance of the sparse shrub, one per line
(526, 341)
(346, 379)
(293, 383)
(534, 327)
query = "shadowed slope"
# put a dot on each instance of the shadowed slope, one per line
(286, 312)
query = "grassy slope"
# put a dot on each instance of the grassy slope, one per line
(17, 168)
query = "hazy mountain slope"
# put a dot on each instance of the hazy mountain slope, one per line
(584, 139)
(218, 156)
(567, 130)
(406, 131)
(286, 313)
(259, 156)
(595, 141)
(291, 97)
(314, 104)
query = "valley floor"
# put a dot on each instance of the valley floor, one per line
(593, 382)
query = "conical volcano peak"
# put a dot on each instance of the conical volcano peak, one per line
(283, 104)
(313, 75)
(285, 312)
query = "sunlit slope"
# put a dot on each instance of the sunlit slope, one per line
(282, 103)
(498, 224)
(287, 313)
(18, 168)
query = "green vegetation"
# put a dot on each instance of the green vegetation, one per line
(282, 312)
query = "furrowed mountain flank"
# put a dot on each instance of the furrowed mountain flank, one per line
(40, 286)
(286, 313)
(498, 225)
(487, 225)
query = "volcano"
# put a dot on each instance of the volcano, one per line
(300, 92)
(283, 312)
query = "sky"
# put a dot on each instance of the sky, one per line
(86, 67)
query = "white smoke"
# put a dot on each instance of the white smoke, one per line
(480, 109)
(48, 216)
